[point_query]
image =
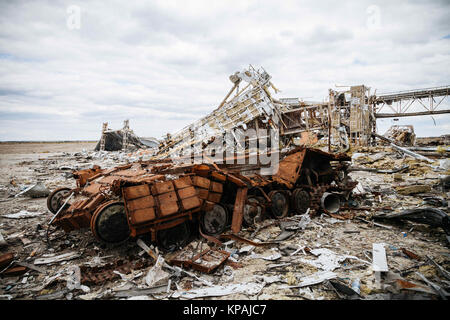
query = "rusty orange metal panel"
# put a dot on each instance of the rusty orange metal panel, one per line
(162, 187)
(167, 197)
(187, 192)
(82, 176)
(15, 271)
(141, 203)
(202, 193)
(6, 259)
(201, 169)
(218, 176)
(136, 191)
(83, 219)
(236, 180)
(238, 213)
(168, 208)
(107, 180)
(93, 188)
(207, 205)
(183, 182)
(190, 203)
(214, 197)
(142, 215)
(201, 182)
(289, 167)
(216, 187)
(92, 205)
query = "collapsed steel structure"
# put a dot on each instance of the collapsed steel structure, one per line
(251, 108)
(347, 119)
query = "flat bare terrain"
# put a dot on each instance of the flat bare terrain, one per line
(44, 147)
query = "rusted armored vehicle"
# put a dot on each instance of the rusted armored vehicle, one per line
(170, 201)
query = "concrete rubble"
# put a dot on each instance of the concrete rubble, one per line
(137, 224)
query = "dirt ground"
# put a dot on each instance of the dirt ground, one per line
(276, 270)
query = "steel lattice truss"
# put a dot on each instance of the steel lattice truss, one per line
(400, 102)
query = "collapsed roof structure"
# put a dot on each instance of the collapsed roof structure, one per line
(122, 139)
(251, 107)
(347, 119)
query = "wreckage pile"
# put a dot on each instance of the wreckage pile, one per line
(155, 197)
(384, 242)
(371, 223)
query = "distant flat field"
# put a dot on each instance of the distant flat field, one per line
(44, 147)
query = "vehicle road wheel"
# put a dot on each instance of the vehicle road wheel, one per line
(214, 221)
(173, 238)
(301, 201)
(280, 204)
(56, 199)
(109, 223)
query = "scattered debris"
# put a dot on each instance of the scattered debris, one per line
(74, 279)
(249, 289)
(379, 262)
(23, 214)
(403, 135)
(37, 190)
(411, 254)
(413, 189)
(444, 294)
(313, 279)
(136, 292)
(156, 275)
(51, 258)
(344, 289)
(205, 261)
(327, 260)
(431, 216)
(2, 240)
(147, 249)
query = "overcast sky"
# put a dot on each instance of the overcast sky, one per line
(164, 64)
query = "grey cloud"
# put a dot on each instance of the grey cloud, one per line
(163, 65)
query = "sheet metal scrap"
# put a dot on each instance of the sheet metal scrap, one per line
(6, 259)
(99, 275)
(427, 215)
(206, 261)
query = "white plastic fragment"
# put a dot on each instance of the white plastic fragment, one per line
(359, 189)
(270, 279)
(304, 221)
(217, 291)
(313, 279)
(23, 214)
(274, 256)
(2, 240)
(379, 262)
(74, 279)
(245, 249)
(139, 298)
(156, 275)
(444, 164)
(327, 260)
(53, 259)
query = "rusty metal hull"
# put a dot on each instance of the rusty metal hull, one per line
(159, 195)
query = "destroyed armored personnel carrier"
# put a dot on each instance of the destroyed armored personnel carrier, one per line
(171, 201)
